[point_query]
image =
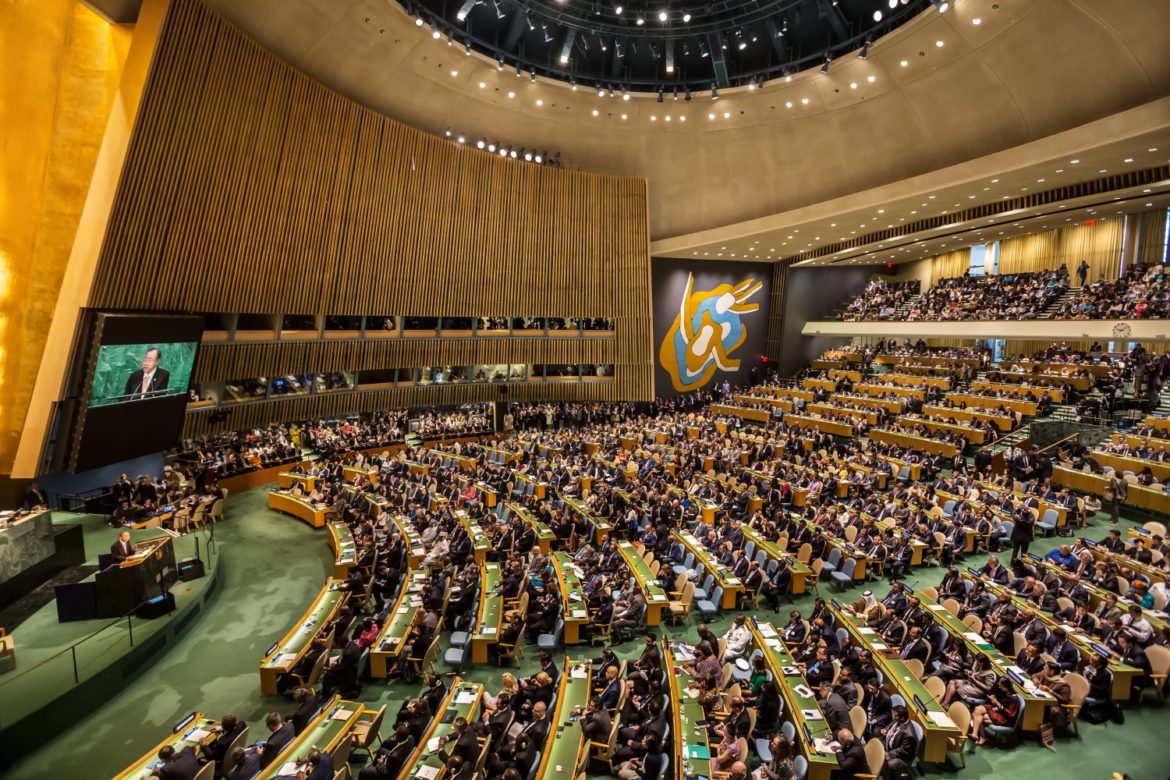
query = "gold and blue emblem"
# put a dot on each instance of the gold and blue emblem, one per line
(706, 332)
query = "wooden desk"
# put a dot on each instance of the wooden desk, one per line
(301, 508)
(1123, 675)
(531, 487)
(326, 733)
(344, 550)
(655, 597)
(544, 535)
(601, 526)
(882, 390)
(1097, 594)
(917, 547)
(1033, 704)
(778, 658)
(798, 570)
(464, 700)
(724, 577)
(1080, 383)
(692, 749)
(744, 413)
(562, 749)
(491, 613)
(966, 415)
(1135, 440)
(786, 392)
(479, 539)
(352, 473)
(575, 611)
(984, 386)
(833, 427)
(415, 549)
(391, 640)
(909, 440)
(192, 731)
(973, 435)
(1086, 482)
(1026, 408)
(837, 374)
(1121, 463)
(418, 468)
(893, 407)
(924, 709)
(828, 385)
(870, 417)
(283, 656)
(286, 479)
(912, 380)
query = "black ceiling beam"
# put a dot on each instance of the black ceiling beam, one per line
(718, 61)
(827, 10)
(778, 44)
(516, 27)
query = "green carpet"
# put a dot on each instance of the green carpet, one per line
(273, 565)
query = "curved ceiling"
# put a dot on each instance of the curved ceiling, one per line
(942, 89)
(653, 45)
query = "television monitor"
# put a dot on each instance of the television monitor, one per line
(138, 370)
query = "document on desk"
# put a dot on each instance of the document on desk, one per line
(578, 673)
(342, 714)
(198, 735)
(288, 770)
(464, 697)
(427, 772)
(284, 659)
(941, 719)
(433, 745)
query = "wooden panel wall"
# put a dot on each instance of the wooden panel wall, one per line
(251, 188)
(776, 310)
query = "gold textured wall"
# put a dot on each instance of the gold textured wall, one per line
(61, 64)
(251, 188)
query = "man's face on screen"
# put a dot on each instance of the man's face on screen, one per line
(150, 360)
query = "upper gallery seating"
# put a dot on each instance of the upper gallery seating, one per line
(1143, 293)
(881, 300)
(1002, 297)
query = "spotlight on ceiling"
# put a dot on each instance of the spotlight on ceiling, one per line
(600, 91)
(447, 132)
(686, 18)
(828, 61)
(703, 50)
(687, 98)
(480, 144)
(625, 93)
(418, 21)
(461, 138)
(539, 157)
(877, 15)
(493, 146)
(567, 46)
(532, 75)
(499, 11)
(865, 47)
(659, 94)
(662, 16)
(941, 5)
(618, 10)
(465, 9)
(714, 92)
(528, 156)
(500, 63)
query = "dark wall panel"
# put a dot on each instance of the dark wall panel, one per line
(716, 331)
(812, 294)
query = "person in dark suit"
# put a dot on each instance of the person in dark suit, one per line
(341, 674)
(229, 728)
(834, 707)
(915, 646)
(320, 765)
(306, 701)
(123, 548)
(247, 764)
(851, 756)
(878, 707)
(466, 745)
(150, 378)
(177, 764)
(392, 755)
(34, 496)
(901, 746)
(282, 734)
(596, 722)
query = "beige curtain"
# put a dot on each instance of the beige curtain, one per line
(1100, 245)
(1028, 253)
(1153, 236)
(949, 265)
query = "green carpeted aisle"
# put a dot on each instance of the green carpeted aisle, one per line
(272, 567)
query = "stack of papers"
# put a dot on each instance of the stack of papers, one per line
(941, 719)
(464, 697)
(812, 714)
(342, 714)
(288, 770)
(198, 735)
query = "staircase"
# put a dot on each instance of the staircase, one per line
(902, 310)
(1055, 306)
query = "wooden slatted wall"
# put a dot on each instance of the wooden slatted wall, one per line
(251, 188)
(776, 310)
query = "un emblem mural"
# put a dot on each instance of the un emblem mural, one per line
(707, 330)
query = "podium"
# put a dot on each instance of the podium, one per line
(148, 574)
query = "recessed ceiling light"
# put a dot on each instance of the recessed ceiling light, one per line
(727, 115)
(712, 116)
(904, 63)
(454, 73)
(976, 21)
(1152, 149)
(871, 79)
(595, 112)
(1128, 159)
(853, 85)
(653, 118)
(804, 101)
(511, 94)
(1073, 162)
(624, 116)
(939, 44)
(483, 85)
(788, 104)
(539, 102)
